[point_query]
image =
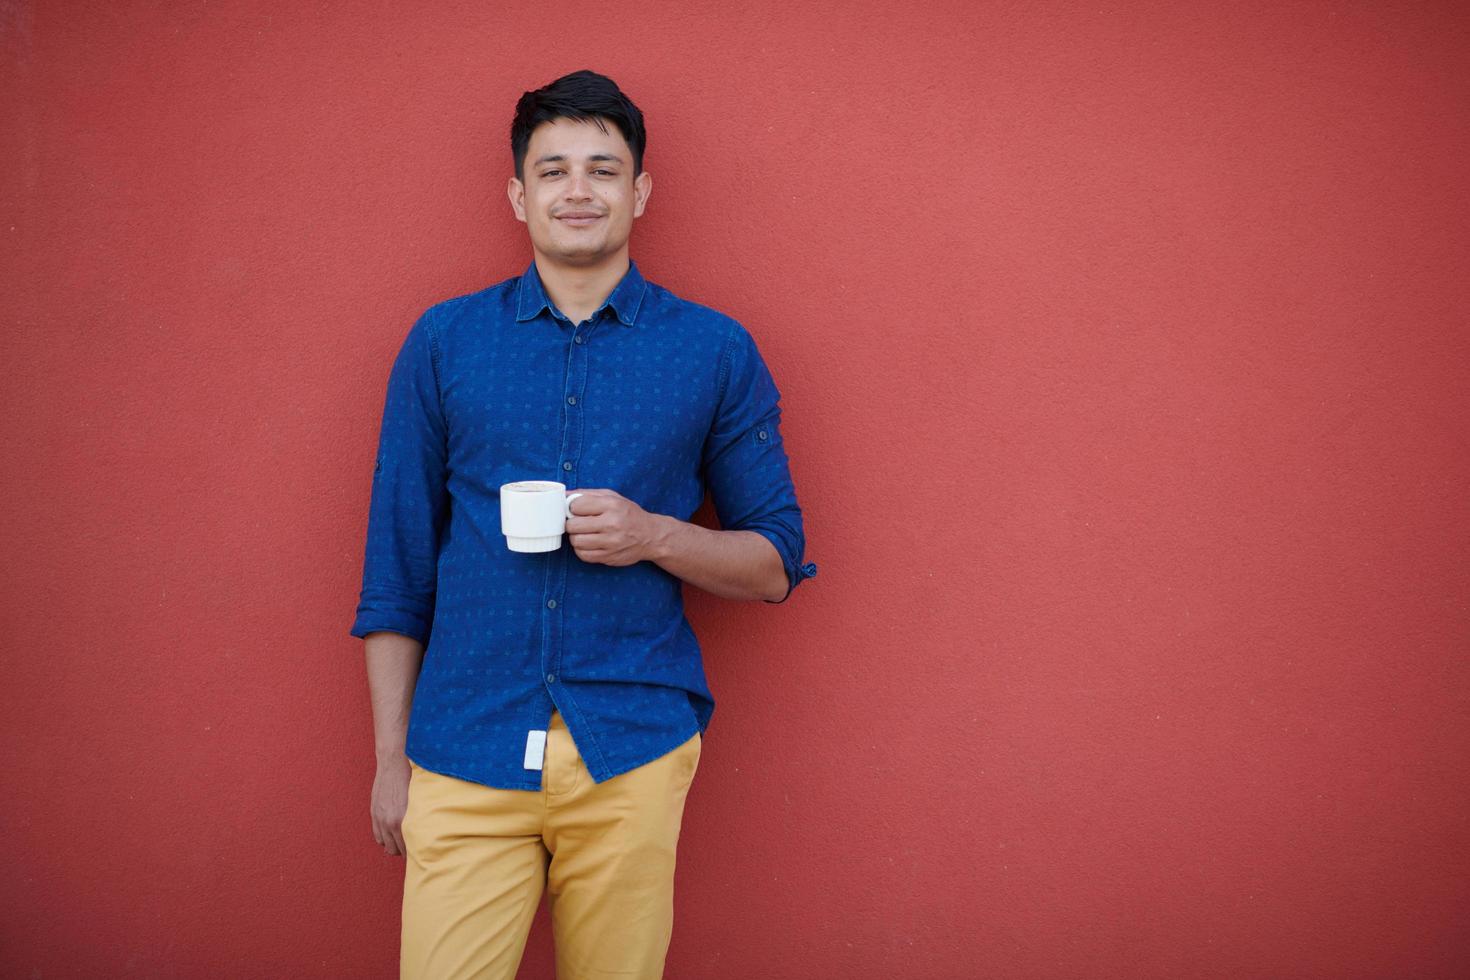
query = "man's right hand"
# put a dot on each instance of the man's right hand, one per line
(393, 662)
(389, 803)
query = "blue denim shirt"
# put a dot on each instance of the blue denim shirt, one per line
(653, 396)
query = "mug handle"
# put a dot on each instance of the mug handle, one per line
(568, 505)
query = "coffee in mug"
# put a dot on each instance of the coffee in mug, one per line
(534, 514)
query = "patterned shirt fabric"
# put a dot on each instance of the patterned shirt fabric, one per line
(654, 397)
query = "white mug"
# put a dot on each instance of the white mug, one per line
(534, 514)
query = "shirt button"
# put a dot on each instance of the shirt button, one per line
(551, 678)
(763, 435)
(580, 338)
(571, 399)
(567, 467)
(550, 603)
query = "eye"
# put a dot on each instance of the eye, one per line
(549, 173)
(608, 173)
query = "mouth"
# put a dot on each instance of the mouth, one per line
(578, 219)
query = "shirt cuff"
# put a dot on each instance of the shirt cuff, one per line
(391, 621)
(796, 571)
(803, 572)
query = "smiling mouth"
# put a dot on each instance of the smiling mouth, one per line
(578, 219)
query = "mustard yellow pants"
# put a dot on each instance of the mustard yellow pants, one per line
(479, 859)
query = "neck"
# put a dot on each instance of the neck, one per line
(578, 291)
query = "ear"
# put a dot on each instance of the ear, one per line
(516, 191)
(642, 187)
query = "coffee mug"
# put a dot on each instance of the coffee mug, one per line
(534, 514)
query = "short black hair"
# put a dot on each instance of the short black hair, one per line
(586, 97)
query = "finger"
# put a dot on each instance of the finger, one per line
(398, 841)
(594, 502)
(606, 538)
(593, 542)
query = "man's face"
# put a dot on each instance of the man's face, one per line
(579, 196)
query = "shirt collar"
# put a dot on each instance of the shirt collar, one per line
(625, 299)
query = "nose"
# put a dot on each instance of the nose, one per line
(579, 187)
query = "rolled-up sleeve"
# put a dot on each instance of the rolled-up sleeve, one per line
(409, 500)
(744, 462)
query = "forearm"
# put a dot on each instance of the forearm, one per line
(393, 662)
(729, 564)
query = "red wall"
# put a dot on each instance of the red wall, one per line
(1124, 356)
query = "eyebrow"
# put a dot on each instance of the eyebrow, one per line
(561, 158)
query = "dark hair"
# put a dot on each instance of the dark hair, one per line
(586, 97)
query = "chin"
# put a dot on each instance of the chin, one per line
(581, 253)
(578, 254)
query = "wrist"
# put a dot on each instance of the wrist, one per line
(662, 532)
(390, 755)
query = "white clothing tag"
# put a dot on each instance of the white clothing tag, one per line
(535, 749)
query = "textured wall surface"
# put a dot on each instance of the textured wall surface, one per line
(1123, 349)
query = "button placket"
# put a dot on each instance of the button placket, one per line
(571, 449)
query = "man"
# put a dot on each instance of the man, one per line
(547, 737)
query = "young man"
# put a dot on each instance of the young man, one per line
(547, 737)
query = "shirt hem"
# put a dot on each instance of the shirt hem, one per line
(643, 762)
(451, 771)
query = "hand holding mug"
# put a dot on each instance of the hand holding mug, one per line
(609, 529)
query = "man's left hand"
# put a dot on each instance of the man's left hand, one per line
(609, 529)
